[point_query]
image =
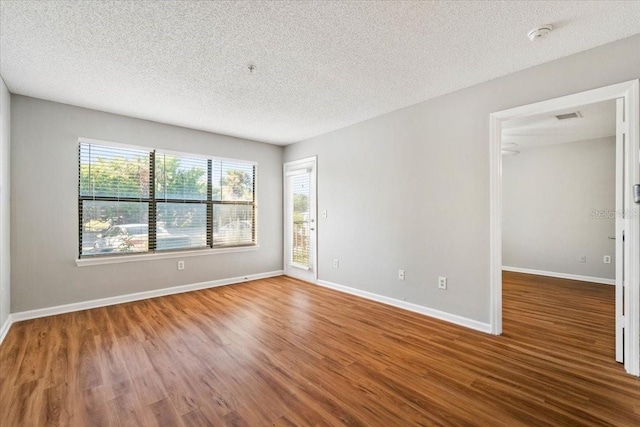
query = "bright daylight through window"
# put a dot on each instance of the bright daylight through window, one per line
(133, 200)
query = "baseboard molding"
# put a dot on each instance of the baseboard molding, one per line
(441, 315)
(5, 328)
(103, 302)
(560, 275)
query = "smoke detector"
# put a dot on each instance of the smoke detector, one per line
(540, 32)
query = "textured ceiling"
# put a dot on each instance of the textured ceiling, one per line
(598, 121)
(320, 66)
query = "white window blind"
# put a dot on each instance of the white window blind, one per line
(301, 242)
(114, 191)
(233, 203)
(134, 200)
(181, 196)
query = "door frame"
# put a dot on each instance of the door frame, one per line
(314, 214)
(629, 91)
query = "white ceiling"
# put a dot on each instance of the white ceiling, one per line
(598, 121)
(320, 66)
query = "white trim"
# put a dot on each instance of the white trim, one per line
(4, 330)
(601, 280)
(632, 230)
(103, 302)
(117, 259)
(310, 159)
(619, 90)
(437, 314)
(298, 172)
(300, 266)
(630, 92)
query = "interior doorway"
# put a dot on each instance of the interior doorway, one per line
(625, 95)
(300, 213)
(562, 188)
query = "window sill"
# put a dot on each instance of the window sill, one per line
(86, 262)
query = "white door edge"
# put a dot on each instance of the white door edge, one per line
(620, 225)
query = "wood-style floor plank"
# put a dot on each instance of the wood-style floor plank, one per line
(282, 352)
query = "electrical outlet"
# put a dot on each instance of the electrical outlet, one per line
(583, 259)
(607, 259)
(336, 263)
(442, 282)
(400, 274)
(180, 265)
(324, 213)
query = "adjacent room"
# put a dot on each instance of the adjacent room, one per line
(315, 213)
(559, 173)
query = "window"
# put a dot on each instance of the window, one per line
(233, 201)
(134, 200)
(181, 202)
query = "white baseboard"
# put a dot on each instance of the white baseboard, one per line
(448, 317)
(103, 302)
(560, 275)
(5, 328)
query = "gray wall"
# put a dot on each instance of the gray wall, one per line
(410, 189)
(5, 226)
(554, 198)
(44, 177)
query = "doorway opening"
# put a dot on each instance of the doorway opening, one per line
(625, 97)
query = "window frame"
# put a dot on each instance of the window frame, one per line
(153, 202)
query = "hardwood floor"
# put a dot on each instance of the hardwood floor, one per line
(283, 352)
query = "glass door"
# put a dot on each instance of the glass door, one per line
(300, 219)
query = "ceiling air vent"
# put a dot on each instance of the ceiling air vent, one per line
(567, 116)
